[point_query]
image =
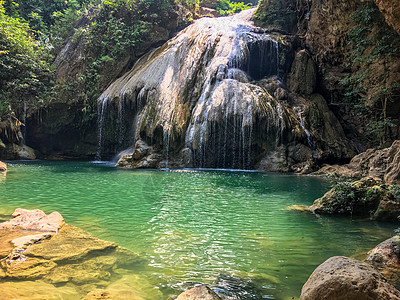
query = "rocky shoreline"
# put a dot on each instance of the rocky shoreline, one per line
(42, 256)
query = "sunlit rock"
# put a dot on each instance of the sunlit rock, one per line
(197, 293)
(64, 255)
(34, 220)
(340, 277)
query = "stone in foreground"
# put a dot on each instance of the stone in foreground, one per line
(199, 293)
(341, 277)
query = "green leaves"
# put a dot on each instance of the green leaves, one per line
(24, 71)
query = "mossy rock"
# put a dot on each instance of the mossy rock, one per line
(367, 197)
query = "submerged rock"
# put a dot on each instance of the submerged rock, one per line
(199, 293)
(340, 277)
(64, 254)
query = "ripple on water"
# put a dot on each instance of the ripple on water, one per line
(226, 228)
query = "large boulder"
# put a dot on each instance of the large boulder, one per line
(340, 277)
(367, 197)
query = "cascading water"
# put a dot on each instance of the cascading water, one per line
(101, 112)
(197, 94)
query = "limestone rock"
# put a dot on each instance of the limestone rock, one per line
(340, 277)
(3, 167)
(71, 244)
(384, 163)
(26, 240)
(34, 220)
(68, 257)
(303, 76)
(130, 286)
(199, 293)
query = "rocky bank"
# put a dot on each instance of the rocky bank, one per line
(43, 257)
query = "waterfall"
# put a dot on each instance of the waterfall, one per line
(301, 123)
(199, 92)
(101, 112)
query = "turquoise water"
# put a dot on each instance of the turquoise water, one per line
(231, 229)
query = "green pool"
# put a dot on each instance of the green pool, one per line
(231, 229)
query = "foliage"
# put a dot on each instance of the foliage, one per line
(344, 197)
(367, 93)
(25, 74)
(33, 29)
(395, 191)
(227, 7)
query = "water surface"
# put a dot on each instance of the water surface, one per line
(228, 228)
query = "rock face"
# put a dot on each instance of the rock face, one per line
(391, 11)
(199, 293)
(303, 76)
(204, 99)
(384, 164)
(63, 254)
(366, 197)
(340, 277)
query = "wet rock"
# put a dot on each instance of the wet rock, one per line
(130, 286)
(367, 197)
(198, 293)
(142, 157)
(36, 290)
(3, 167)
(34, 220)
(68, 256)
(340, 277)
(28, 240)
(281, 94)
(71, 244)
